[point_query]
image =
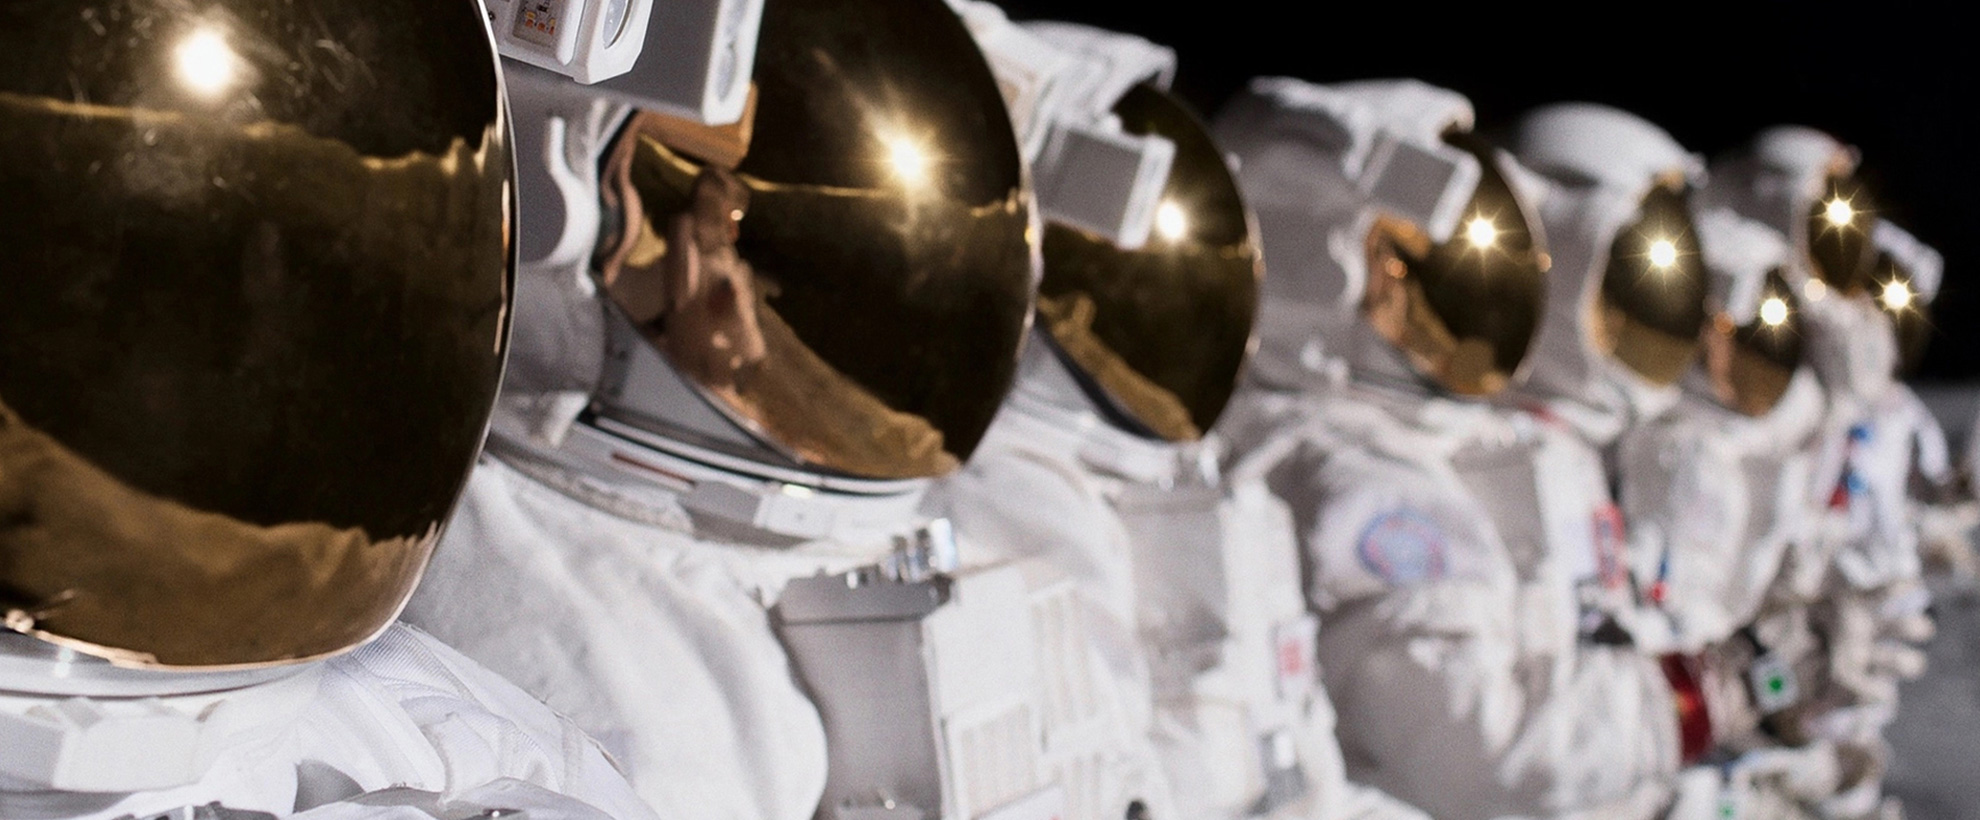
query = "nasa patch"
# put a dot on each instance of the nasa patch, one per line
(1403, 546)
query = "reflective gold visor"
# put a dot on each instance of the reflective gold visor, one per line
(1839, 243)
(853, 291)
(1767, 350)
(1482, 290)
(1654, 290)
(1897, 296)
(252, 322)
(1161, 330)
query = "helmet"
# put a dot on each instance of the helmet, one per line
(1802, 182)
(1754, 344)
(1159, 332)
(1629, 285)
(1838, 235)
(254, 323)
(1383, 215)
(1904, 281)
(833, 289)
(1473, 298)
(1153, 322)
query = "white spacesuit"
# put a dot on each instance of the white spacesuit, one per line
(740, 352)
(1898, 457)
(1913, 453)
(1626, 303)
(252, 336)
(1713, 492)
(1088, 106)
(1100, 463)
(1855, 578)
(1413, 278)
(1799, 182)
(1713, 489)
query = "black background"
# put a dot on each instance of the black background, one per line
(1896, 80)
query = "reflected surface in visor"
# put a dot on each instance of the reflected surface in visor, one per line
(1839, 243)
(855, 291)
(255, 289)
(1482, 290)
(1654, 290)
(1161, 330)
(1765, 351)
(1897, 296)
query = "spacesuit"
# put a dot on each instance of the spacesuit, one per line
(1101, 463)
(1712, 488)
(254, 325)
(1713, 491)
(1799, 182)
(1026, 496)
(741, 350)
(1626, 302)
(1413, 285)
(1855, 578)
(1915, 455)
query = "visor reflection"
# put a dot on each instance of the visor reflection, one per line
(1767, 350)
(249, 342)
(1654, 289)
(1162, 330)
(1910, 317)
(1839, 243)
(1481, 291)
(855, 289)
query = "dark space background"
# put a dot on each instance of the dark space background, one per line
(1897, 80)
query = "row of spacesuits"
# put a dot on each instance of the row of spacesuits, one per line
(885, 409)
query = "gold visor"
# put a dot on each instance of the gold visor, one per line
(1476, 298)
(1652, 305)
(1896, 293)
(1765, 351)
(1163, 330)
(253, 320)
(854, 289)
(1839, 245)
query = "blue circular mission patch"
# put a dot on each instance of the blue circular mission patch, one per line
(1403, 546)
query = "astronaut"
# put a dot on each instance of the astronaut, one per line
(1101, 462)
(1090, 109)
(1904, 282)
(741, 351)
(1801, 182)
(1418, 291)
(1713, 490)
(1625, 308)
(254, 325)
(1855, 578)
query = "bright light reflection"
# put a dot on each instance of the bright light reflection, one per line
(1897, 295)
(1481, 233)
(1663, 253)
(205, 63)
(1170, 221)
(1774, 311)
(910, 162)
(1815, 290)
(1839, 212)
